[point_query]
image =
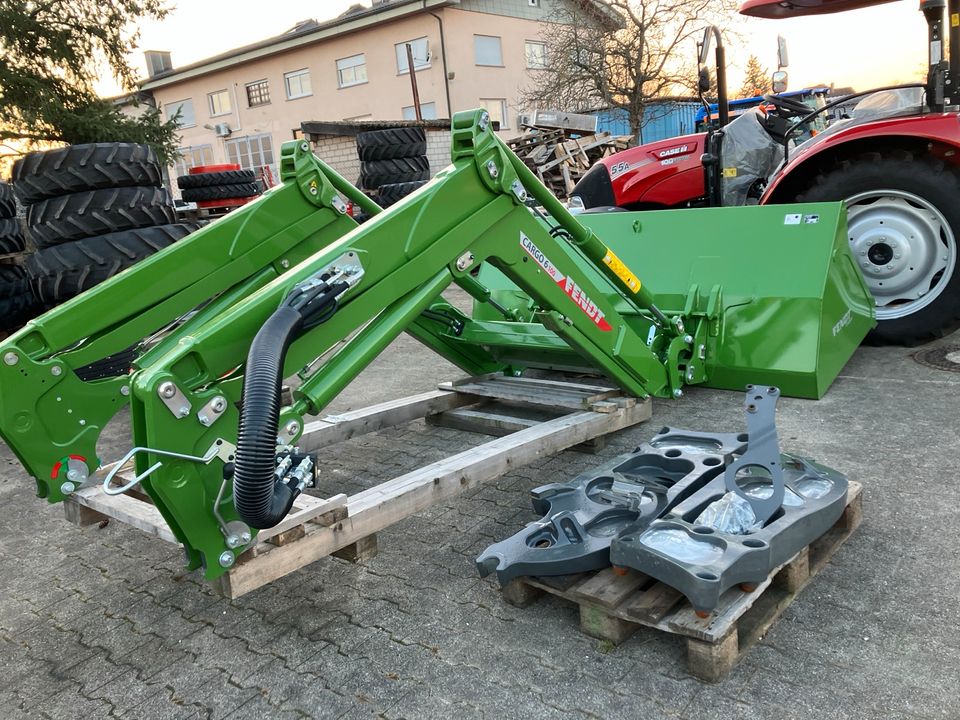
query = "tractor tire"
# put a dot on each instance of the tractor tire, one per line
(389, 195)
(73, 169)
(61, 272)
(90, 214)
(903, 221)
(220, 192)
(374, 173)
(225, 177)
(11, 236)
(392, 143)
(8, 204)
(17, 302)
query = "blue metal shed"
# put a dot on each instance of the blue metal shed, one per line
(663, 119)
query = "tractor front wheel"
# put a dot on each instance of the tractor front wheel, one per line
(903, 223)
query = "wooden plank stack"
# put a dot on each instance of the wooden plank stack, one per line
(560, 160)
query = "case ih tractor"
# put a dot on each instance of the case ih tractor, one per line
(893, 161)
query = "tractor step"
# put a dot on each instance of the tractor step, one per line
(346, 526)
(615, 602)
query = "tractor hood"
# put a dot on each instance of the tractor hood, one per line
(798, 8)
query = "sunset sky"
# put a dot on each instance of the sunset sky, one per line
(863, 48)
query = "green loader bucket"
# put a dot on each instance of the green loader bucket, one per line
(793, 305)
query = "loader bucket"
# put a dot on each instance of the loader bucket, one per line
(793, 305)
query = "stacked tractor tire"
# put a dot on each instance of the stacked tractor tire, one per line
(393, 162)
(92, 211)
(216, 186)
(17, 304)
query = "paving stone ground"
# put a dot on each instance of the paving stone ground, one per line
(98, 623)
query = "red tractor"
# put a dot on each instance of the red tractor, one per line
(893, 160)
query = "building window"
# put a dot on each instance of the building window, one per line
(183, 111)
(421, 54)
(536, 54)
(297, 84)
(487, 50)
(191, 157)
(428, 111)
(497, 108)
(251, 152)
(352, 70)
(219, 102)
(258, 93)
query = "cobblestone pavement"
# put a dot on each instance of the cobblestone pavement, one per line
(99, 623)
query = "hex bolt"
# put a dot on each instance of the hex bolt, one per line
(125, 390)
(167, 390)
(284, 263)
(484, 120)
(11, 358)
(493, 169)
(72, 475)
(204, 420)
(246, 537)
(688, 339)
(67, 488)
(678, 393)
(226, 559)
(56, 371)
(183, 411)
(232, 542)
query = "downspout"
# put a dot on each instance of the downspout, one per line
(443, 58)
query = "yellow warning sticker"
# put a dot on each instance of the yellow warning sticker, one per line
(730, 172)
(621, 271)
(954, 19)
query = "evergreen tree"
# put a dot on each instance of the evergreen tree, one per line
(757, 80)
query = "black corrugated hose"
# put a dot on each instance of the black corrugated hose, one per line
(261, 499)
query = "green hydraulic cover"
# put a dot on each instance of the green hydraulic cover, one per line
(794, 306)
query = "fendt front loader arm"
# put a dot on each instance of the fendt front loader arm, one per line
(219, 469)
(52, 419)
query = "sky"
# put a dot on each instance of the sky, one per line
(865, 48)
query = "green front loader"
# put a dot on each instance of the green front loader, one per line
(290, 285)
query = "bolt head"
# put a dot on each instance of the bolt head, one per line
(305, 146)
(204, 420)
(678, 393)
(67, 488)
(11, 358)
(688, 339)
(125, 390)
(72, 475)
(56, 371)
(284, 263)
(484, 120)
(492, 169)
(233, 541)
(313, 190)
(293, 427)
(183, 411)
(167, 390)
(246, 537)
(226, 559)
(219, 404)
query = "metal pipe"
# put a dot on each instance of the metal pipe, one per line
(411, 68)
(350, 191)
(443, 58)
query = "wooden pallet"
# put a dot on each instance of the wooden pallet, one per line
(613, 606)
(344, 526)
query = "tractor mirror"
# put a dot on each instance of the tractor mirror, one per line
(703, 80)
(704, 45)
(782, 59)
(779, 83)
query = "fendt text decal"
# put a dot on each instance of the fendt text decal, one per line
(572, 290)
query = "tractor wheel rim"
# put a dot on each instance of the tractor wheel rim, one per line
(904, 248)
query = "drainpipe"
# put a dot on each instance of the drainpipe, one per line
(443, 57)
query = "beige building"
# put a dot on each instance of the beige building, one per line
(240, 107)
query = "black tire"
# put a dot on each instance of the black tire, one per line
(374, 173)
(98, 212)
(17, 302)
(928, 182)
(227, 177)
(392, 143)
(220, 192)
(388, 195)
(92, 166)
(11, 236)
(8, 205)
(61, 272)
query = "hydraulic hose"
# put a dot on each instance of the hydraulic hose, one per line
(261, 498)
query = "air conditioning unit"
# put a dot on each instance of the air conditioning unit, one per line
(222, 130)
